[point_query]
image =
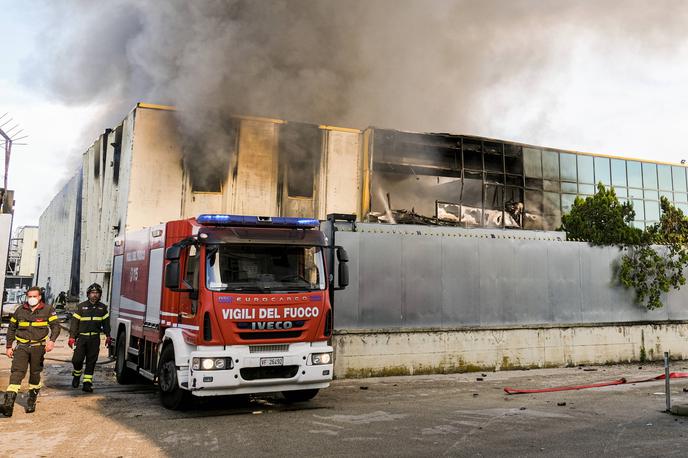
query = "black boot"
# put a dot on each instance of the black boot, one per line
(88, 387)
(8, 405)
(75, 381)
(31, 401)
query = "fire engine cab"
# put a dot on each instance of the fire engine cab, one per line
(225, 304)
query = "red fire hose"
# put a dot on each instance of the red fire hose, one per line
(621, 381)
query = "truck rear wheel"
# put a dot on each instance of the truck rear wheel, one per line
(123, 374)
(299, 395)
(172, 396)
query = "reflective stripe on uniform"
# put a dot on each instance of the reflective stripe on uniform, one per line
(77, 316)
(89, 333)
(35, 387)
(26, 324)
(88, 378)
(13, 388)
(31, 342)
(13, 320)
(76, 373)
(52, 318)
(94, 318)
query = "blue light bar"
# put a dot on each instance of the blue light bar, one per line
(257, 221)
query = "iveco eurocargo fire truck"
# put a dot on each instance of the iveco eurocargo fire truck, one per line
(225, 304)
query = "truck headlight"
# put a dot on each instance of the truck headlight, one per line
(321, 358)
(211, 364)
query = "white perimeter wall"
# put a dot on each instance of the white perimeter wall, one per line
(381, 353)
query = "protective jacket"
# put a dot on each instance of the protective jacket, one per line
(90, 320)
(33, 327)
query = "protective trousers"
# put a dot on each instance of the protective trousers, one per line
(26, 356)
(86, 347)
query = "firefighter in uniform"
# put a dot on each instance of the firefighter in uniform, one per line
(35, 327)
(90, 319)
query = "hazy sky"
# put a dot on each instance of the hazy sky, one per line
(597, 76)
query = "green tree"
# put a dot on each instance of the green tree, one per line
(657, 264)
(654, 260)
(601, 220)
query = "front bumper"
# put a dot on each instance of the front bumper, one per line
(247, 376)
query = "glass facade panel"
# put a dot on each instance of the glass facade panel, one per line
(653, 195)
(588, 189)
(619, 172)
(602, 171)
(569, 187)
(679, 176)
(567, 167)
(668, 195)
(664, 174)
(532, 162)
(651, 210)
(567, 202)
(551, 186)
(550, 165)
(632, 192)
(683, 208)
(621, 192)
(639, 209)
(635, 174)
(534, 202)
(586, 172)
(649, 176)
(680, 197)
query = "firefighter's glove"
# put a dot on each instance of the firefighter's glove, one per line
(108, 341)
(71, 342)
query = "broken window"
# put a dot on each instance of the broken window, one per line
(116, 155)
(207, 157)
(96, 158)
(300, 146)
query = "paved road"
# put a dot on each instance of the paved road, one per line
(447, 415)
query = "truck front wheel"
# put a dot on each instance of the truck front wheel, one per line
(172, 396)
(299, 395)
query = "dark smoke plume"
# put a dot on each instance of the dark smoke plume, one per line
(461, 66)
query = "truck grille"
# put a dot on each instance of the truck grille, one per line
(270, 335)
(268, 348)
(260, 373)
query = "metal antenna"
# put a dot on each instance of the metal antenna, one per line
(9, 138)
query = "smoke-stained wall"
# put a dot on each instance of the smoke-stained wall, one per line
(56, 239)
(144, 171)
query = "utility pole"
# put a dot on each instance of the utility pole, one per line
(10, 135)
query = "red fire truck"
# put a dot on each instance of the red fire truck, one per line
(225, 304)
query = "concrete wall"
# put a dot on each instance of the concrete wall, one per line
(421, 351)
(56, 240)
(29, 250)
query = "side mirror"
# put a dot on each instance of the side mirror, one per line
(172, 273)
(343, 271)
(342, 255)
(173, 253)
(343, 275)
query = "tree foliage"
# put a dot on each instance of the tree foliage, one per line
(654, 260)
(601, 220)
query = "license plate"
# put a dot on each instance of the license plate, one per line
(271, 361)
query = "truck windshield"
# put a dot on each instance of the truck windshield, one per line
(264, 268)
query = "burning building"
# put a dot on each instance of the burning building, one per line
(145, 171)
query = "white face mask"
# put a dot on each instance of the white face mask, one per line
(33, 301)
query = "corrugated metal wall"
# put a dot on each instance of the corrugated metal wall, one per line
(419, 277)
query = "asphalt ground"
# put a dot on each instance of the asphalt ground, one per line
(435, 415)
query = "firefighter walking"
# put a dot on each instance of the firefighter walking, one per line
(90, 319)
(35, 327)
